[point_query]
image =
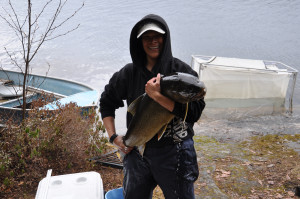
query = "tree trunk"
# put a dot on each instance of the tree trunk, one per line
(27, 61)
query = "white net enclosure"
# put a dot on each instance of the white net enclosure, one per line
(239, 87)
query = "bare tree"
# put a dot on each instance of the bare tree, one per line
(32, 36)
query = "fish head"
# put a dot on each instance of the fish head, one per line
(182, 87)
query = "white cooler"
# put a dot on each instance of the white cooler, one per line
(86, 185)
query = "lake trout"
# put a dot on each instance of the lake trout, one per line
(150, 118)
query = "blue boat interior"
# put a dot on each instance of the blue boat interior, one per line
(53, 90)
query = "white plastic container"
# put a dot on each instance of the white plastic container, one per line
(86, 185)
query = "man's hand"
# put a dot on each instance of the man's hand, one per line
(118, 141)
(152, 87)
(109, 124)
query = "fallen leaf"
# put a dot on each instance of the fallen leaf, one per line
(252, 151)
(258, 163)
(247, 163)
(290, 193)
(224, 175)
(225, 172)
(271, 182)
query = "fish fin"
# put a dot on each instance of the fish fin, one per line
(141, 149)
(135, 104)
(161, 132)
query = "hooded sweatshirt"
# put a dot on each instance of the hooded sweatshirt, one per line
(129, 83)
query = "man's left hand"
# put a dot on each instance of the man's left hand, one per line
(152, 87)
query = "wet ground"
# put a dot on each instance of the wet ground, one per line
(243, 128)
(255, 157)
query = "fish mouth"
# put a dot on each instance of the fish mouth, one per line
(185, 97)
(199, 95)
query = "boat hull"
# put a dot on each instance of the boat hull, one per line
(61, 90)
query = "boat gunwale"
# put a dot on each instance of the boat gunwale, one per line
(50, 77)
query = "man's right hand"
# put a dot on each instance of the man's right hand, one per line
(109, 124)
(118, 141)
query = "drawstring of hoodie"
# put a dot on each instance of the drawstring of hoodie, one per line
(186, 111)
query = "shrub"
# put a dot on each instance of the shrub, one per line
(58, 139)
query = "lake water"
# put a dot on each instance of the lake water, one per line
(253, 29)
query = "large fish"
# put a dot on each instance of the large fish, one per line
(150, 118)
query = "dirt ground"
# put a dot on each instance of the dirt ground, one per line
(252, 158)
(256, 157)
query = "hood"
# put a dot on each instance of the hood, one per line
(138, 55)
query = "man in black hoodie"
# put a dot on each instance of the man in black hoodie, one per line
(170, 162)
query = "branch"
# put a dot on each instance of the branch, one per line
(18, 29)
(14, 24)
(36, 27)
(42, 11)
(54, 17)
(15, 29)
(13, 59)
(11, 24)
(45, 76)
(25, 20)
(29, 35)
(27, 40)
(43, 37)
(63, 34)
(67, 19)
(50, 29)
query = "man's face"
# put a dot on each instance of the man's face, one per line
(152, 43)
